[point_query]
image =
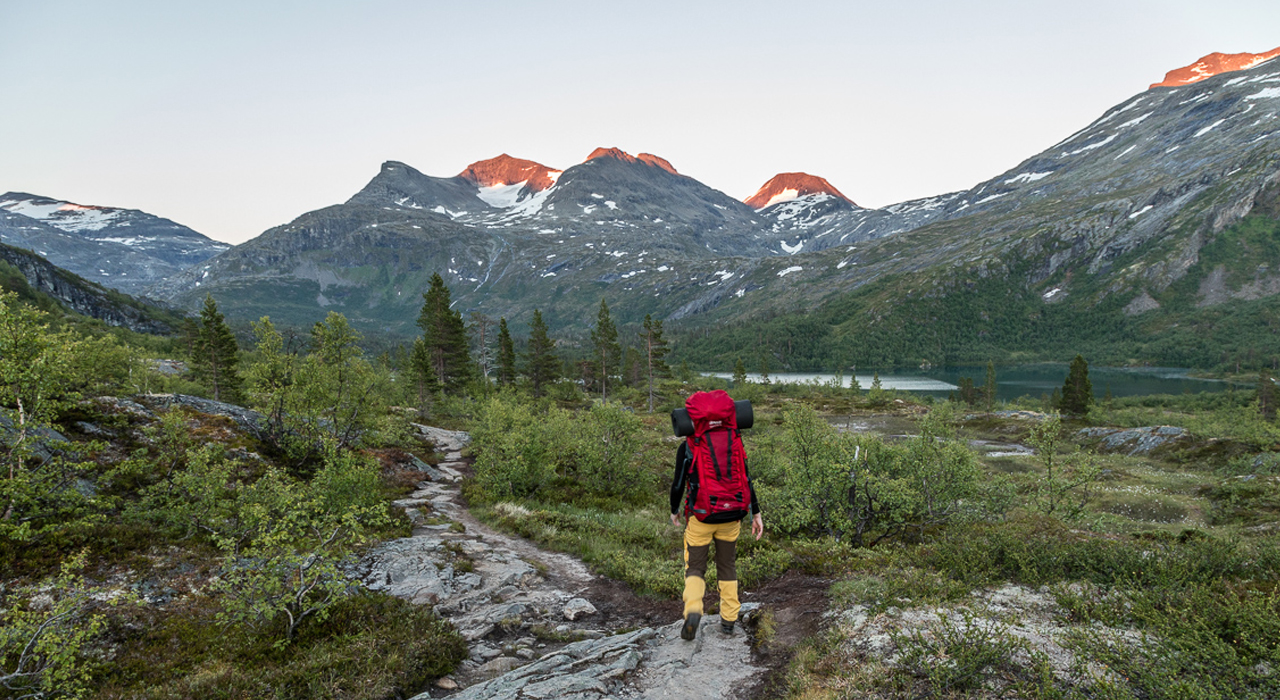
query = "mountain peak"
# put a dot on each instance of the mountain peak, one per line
(646, 158)
(785, 187)
(1213, 64)
(505, 170)
(657, 162)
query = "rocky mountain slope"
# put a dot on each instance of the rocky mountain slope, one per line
(1116, 211)
(45, 284)
(124, 249)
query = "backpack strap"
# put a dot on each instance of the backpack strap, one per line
(715, 463)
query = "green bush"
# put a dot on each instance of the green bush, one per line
(860, 488)
(607, 444)
(519, 448)
(967, 654)
(526, 450)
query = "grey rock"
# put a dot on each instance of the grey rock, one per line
(431, 472)
(115, 404)
(562, 686)
(501, 664)
(92, 429)
(1136, 441)
(578, 607)
(246, 419)
(44, 442)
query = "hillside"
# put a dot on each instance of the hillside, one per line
(123, 249)
(53, 289)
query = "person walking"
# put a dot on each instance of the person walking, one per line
(712, 481)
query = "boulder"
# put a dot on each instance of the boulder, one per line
(1135, 441)
(248, 420)
(578, 607)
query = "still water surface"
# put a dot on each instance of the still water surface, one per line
(1013, 381)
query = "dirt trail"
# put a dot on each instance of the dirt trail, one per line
(520, 609)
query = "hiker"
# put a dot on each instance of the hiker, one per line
(711, 478)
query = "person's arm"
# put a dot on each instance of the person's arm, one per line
(678, 482)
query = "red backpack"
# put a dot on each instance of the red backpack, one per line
(718, 465)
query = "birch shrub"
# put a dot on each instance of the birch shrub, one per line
(44, 631)
(541, 451)
(284, 541)
(859, 488)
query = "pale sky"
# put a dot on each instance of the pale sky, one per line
(232, 117)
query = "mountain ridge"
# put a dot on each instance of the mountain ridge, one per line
(1129, 200)
(125, 249)
(1214, 64)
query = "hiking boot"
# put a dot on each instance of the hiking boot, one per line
(726, 627)
(690, 629)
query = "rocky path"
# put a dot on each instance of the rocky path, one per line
(539, 624)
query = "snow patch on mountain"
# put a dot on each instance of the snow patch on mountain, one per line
(501, 196)
(1027, 177)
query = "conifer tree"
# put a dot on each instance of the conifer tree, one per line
(1077, 390)
(989, 387)
(215, 354)
(542, 365)
(632, 367)
(424, 374)
(1266, 396)
(445, 337)
(608, 353)
(739, 373)
(506, 355)
(655, 348)
(483, 337)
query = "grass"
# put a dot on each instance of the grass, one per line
(1166, 590)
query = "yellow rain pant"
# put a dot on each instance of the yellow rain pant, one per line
(698, 538)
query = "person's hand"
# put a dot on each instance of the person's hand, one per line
(757, 526)
(675, 520)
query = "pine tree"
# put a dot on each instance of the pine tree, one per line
(764, 369)
(685, 373)
(445, 337)
(1266, 396)
(506, 355)
(632, 364)
(424, 374)
(739, 373)
(655, 349)
(1077, 390)
(605, 339)
(483, 338)
(542, 366)
(989, 387)
(215, 354)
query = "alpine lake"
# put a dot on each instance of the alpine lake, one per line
(1013, 381)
